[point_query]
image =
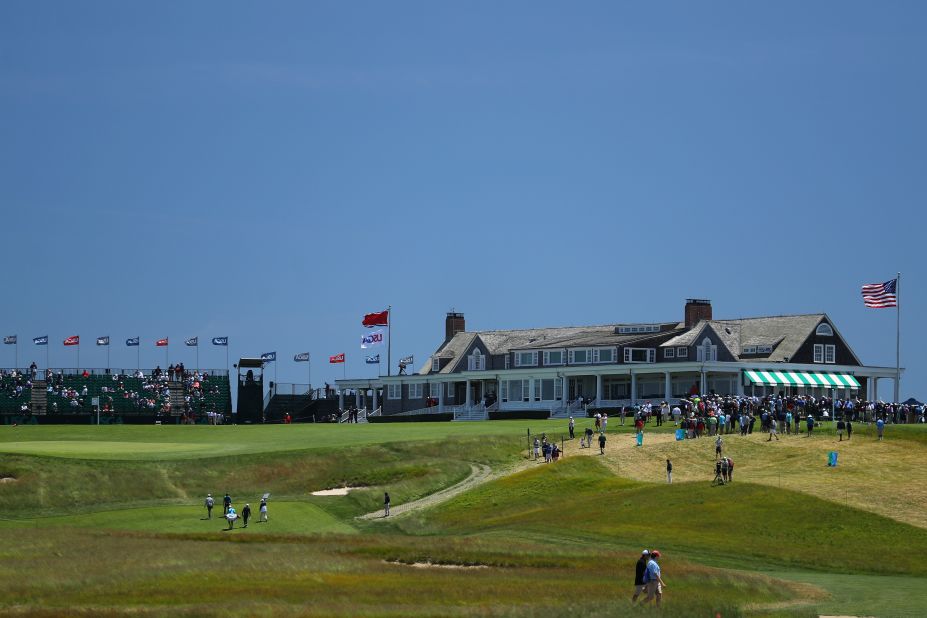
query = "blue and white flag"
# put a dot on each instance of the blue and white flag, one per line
(132, 341)
(192, 341)
(220, 340)
(374, 338)
(269, 357)
(9, 340)
(40, 340)
(302, 357)
(103, 340)
(408, 360)
(373, 360)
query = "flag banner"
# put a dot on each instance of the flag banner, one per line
(161, 342)
(269, 357)
(881, 295)
(407, 360)
(373, 360)
(103, 340)
(40, 340)
(9, 340)
(72, 340)
(374, 338)
(220, 340)
(192, 341)
(376, 319)
(302, 357)
(337, 358)
(132, 341)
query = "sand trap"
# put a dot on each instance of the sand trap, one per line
(7, 479)
(432, 565)
(337, 491)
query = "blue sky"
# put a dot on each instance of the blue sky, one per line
(273, 171)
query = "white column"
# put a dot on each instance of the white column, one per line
(599, 391)
(467, 400)
(341, 399)
(563, 391)
(357, 398)
(374, 399)
(441, 397)
(703, 383)
(667, 386)
(874, 395)
(739, 384)
(633, 388)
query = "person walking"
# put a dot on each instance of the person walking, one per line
(669, 472)
(849, 429)
(209, 504)
(226, 503)
(263, 510)
(386, 504)
(231, 516)
(655, 583)
(773, 429)
(718, 444)
(639, 570)
(537, 448)
(809, 422)
(602, 443)
(246, 514)
(880, 427)
(840, 427)
(572, 428)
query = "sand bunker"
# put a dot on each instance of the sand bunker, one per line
(7, 479)
(432, 565)
(337, 491)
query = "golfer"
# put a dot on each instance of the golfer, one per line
(246, 514)
(231, 516)
(602, 443)
(386, 504)
(263, 510)
(654, 579)
(669, 472)
(226, 502)
(209, 504)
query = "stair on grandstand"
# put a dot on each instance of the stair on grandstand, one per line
(39, 397)
(471, 414)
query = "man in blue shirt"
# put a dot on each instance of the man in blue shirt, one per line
(654, 579)
(880, 426)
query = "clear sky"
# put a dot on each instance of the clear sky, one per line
(272, 171)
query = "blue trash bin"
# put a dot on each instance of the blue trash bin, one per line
(640, 439)
(680, 434)
(832, 458)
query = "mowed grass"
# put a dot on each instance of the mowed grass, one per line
(184, 442)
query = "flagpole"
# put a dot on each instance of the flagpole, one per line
(107, 357)
(138, 355)
(897, 338)
(47, 362)
(17, 351)
(389, 339)
(78, 353)
(197, 354)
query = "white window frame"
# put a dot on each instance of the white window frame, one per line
(537, 389)
(749, 349)
(682, 352)
(641, 328)
(764, 349)
(572, 356)
(434, 389)
(669, 352)
(547, 354)
(818, 353)
(435, 364)
(830, 354)
(707, 348)
(597, 354)
(394, 391)
(476, 361)
(824, 330)
(508, 360)
(416, 390)
(650, 353)
(534, 359)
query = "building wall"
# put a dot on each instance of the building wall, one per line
(805, 353)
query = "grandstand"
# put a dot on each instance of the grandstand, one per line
(124, 396)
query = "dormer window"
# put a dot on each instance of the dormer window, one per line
(476, 361)
(435, 365)
(824, 330)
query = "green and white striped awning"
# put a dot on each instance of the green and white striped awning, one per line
(764, 377)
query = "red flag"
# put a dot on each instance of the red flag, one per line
(75, 340)
(376, 319)
(161, 342)
(337, 358)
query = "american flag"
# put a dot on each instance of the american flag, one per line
(881, 295)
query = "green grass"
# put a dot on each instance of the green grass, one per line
(109, 521)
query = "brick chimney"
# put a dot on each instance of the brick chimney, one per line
(454, 323)
(697, 309)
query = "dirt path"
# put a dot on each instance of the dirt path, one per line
(479, 474)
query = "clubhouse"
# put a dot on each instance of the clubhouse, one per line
(563, 370)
